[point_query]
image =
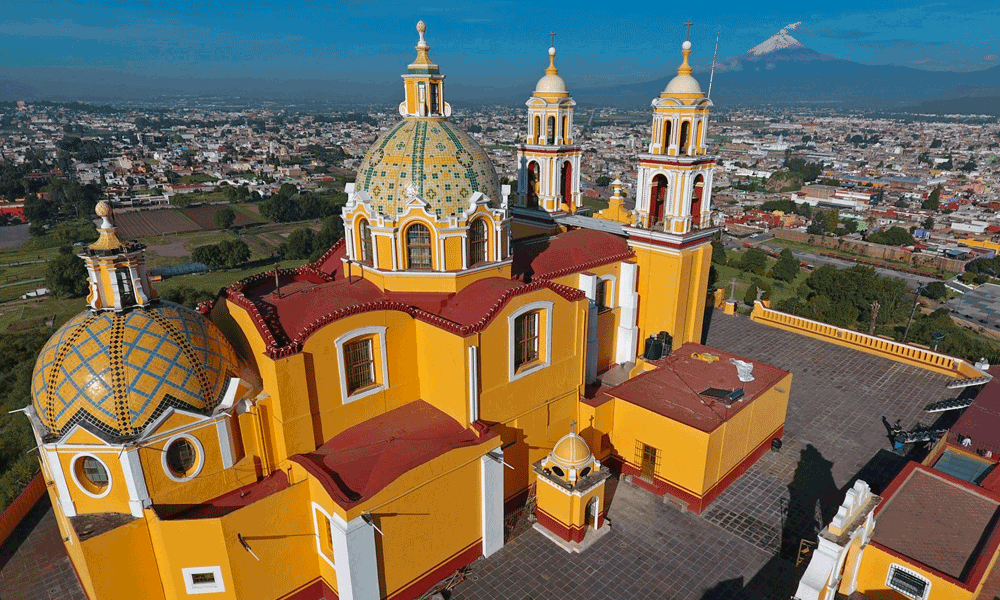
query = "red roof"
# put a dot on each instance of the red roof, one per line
(981, 421)
(362, 460)
(573, 251)
(674, 389)
(227, 503)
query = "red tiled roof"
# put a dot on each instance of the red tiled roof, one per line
(362, 460)
(674, 389)
(981, 420)
(572, 251)
(940, 522)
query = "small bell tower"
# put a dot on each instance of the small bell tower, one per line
(675, 174)
(424, 84)
(116, 270)
(548, 162)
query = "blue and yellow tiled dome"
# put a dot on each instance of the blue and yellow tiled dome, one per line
(115, 372)
(432, 160)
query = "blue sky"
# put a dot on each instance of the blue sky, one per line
(484, 43)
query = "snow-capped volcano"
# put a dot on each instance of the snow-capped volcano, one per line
(778, 41)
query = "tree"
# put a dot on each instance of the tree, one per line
(750, 296)
(933, 199)
(754, 261)
(299, 244)
(936, 290)
(718, 252)
(224, 217)
(603, 181)
(787, 267)
(186, 295)
(831, 219)
(928, 223)
(970, 165)
(66, 276)
(851, 225)
(894, 236)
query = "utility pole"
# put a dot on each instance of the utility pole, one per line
(916, 299)
(875, 307)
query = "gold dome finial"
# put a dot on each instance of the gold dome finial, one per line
(103, 208)
(421, 28)
(106, 238)
(423, 63)
(685, 68)
(552, 70)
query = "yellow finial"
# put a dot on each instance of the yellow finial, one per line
(423, 60)
(552, 70)
(106, 240)
(685, 68)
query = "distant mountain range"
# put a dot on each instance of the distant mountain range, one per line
(780, 70)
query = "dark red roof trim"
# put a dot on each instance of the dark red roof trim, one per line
(585, 266)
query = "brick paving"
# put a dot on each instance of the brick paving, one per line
(743, 546)
(33, 561)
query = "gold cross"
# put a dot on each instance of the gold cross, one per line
(552, 34)
(688, 25)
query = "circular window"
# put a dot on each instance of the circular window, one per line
(91, 475)
(181, 458)
(558, 472)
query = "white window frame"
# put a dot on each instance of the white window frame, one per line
(381, 379)
(544, 309)
(893, 567)
(330, 560)
(203, 588)
(610, 288)
(80, 485)
(198, 465)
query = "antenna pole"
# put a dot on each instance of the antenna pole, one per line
(712, 76)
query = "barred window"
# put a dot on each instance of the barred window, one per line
(418, 247)
(365, 233)
(477, 242)
(908, 583)
(525, 339)
(359, 365)
(94, 471)
(181, 457)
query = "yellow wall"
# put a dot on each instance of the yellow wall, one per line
(117, 498)
(672, 291)
(681, 451)
(874, 569)
(139, 579)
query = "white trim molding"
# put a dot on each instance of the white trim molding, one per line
(218, 585)
(381, 379)
(544, 309)
(330, 560)
(199, 462)
(491, 469)
(83, 488)
(59, 478)
(135, 481)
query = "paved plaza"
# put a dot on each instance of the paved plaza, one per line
(979, 305)
(742, 547)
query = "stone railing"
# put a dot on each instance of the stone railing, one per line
(887, 348)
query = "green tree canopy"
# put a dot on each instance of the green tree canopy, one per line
(787, 267)
(224, 217)
(754, 261)
(894, 236)
(66, 275)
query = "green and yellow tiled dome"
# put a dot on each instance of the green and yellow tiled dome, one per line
(115, 372)
(432, 160)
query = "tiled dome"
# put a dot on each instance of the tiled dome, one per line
(115, 372)
(432, 160)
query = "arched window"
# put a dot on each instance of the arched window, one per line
(697, 194)
(685, 136)
(537, 132)
(666, 135)
(566, 184)
(697, 139)
(552, 130)
(418, 247)
(533, 183)
(365, 233)
(478, 241)
(565, 131)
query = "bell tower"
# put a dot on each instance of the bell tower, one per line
(675, 174)
(548, 163)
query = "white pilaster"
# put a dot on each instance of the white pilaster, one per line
(473, 383)
(628, 301)
(588, 284)
(354, 552)
(491, 468)
(135, 481)
(59, 478)
(224, 433)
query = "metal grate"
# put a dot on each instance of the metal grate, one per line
(477, 242)
(645, 458)
(365, 233)
(180, 456)
(359, 364)
(907, 583)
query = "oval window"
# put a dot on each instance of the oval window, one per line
(584, 472)
(92, 475)
(181, 457)
(558, 472)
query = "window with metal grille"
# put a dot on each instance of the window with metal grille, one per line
(525, 339)
(202, 578)
(418, 247)
(908, 583)
(365, 233)
(95, 472)
(359, 364)
(645, 458)
(125, 291)
(477, 242)
(181, 456)
(600, 297)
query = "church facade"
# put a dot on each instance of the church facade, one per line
(358, 427)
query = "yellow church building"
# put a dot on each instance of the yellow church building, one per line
(357, 427)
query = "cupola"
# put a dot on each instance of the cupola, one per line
(116, 269)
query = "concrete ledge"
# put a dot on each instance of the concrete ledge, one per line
(591, 536)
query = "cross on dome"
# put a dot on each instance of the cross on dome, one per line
(688, 25)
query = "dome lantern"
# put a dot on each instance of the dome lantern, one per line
(424, 84)
(116, 270)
